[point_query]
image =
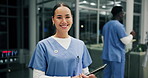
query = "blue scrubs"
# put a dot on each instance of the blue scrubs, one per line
(50, 57)
(114, 50)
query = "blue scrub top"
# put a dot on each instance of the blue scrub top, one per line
(50, 57)
(114, 49)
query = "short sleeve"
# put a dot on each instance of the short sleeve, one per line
(38, 58)
(86, 60)
(121, 31)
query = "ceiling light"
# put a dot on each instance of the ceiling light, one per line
(103, 6)
(85, 2)
(92, 4)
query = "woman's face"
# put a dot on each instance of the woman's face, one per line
(62, 19)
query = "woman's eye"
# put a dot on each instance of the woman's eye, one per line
(59, 17)
(67, 17)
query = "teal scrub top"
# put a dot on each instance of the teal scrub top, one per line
(114, 49)
(53, 59)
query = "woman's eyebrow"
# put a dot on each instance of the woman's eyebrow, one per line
(59, 15)
(67, 14)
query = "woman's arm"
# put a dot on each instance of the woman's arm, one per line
(85, 71)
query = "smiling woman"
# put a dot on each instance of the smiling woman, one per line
(63, 20)
(60, 55)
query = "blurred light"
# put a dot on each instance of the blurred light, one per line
(38, 8)
(112, 2)
(82, 26)
(117, 4)
(103, 6)
(84, 2)
(103, 13)
(92, 4)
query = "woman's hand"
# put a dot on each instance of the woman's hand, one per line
(90, 76)
(79, 76)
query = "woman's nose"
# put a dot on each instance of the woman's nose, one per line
(64, 21)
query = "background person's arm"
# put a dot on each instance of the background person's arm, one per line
(126, 40)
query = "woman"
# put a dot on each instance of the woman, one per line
(61, 55)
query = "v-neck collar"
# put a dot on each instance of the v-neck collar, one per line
(60, 46)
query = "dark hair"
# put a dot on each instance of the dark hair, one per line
(59, 5)
(116, 9)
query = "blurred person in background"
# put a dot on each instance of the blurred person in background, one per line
(115, 38)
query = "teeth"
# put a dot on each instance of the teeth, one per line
(64, 26)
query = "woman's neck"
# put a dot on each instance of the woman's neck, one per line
(61, 35)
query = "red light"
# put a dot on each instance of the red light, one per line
(6, 51)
